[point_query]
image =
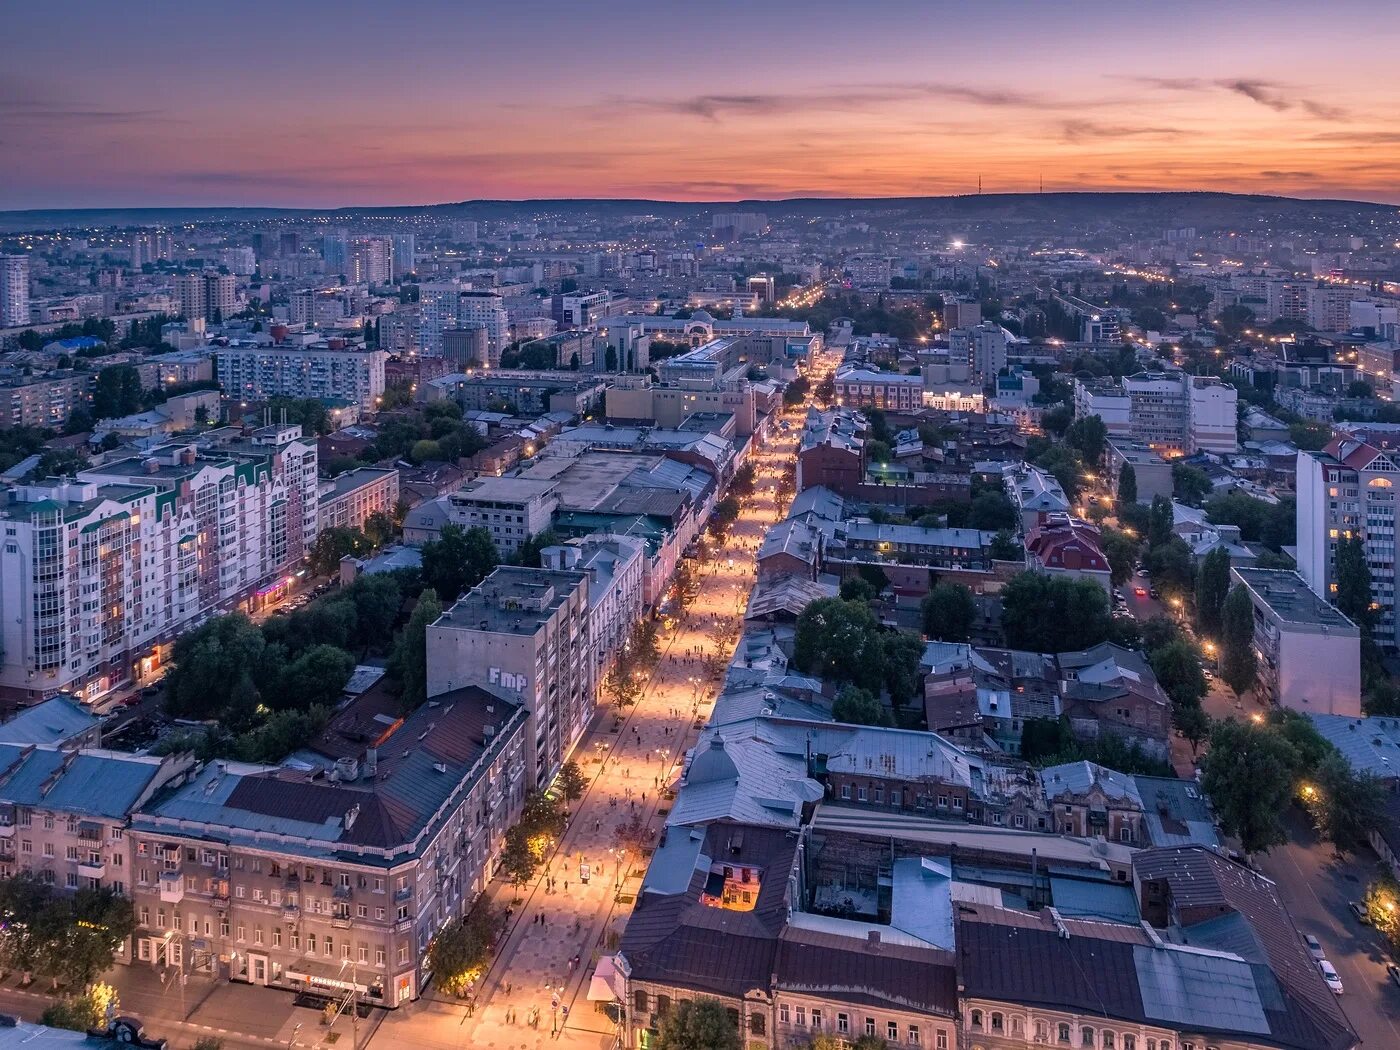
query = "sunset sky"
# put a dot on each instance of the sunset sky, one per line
(300, 103)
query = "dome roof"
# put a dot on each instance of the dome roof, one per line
(712, 765)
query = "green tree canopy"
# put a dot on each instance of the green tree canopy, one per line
(1212, 586)
(1248, 774)
(1053, 614)
(1127, 484)
(1089, 436)
(697, 1024)
(840, 640)
(411, 653)
(949, 612)
(458, 561)
(857, 706)
(1238, 663)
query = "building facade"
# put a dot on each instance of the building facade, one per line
(348, 499)
(317, 371)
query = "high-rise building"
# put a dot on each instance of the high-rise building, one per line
(241, 261)
(488, 309)
(368, 260)
(99, 575)
(983, 347)
(1174, 413)
(1345, 491)
(466, 346)
(211, 295)
(738, 223)
(1329, 307)
(335, 250)
(403, 247)
(14, 290)
(150, 246)
(319, 371)
(437, 308)
(961, 313)
(527, 632)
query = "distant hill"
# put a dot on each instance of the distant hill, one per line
(1203, 210)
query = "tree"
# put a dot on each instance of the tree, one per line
(1158, 631)
(209, 662)
(1237, 658)
(461, 949)
(1052, 614)
(1235, 319)
(1089, 436)
(857, 589)
(87, 1010)
(1005, 548)
(379, 528)
(840, 640)
(316, 678)
(1212, 585)
(458, 560)
(1121, 550)
(1159, 521)
(1345, 806)
(117, 392)
(571, 781)
(697, 1024)
(1248, 774)
(1190, 484)
(949, 612)
(411, 652)
(723, 517)
(1354, 582)
(333, 544)
(518, 857)
(1179, 673)
(902, 653)
(990, 511)
(1057, 420)
(1172, 567)
(1193, 724)
(1066, 466)
(856, 706)
(531, 552)
(1127, 484)
(610, 359)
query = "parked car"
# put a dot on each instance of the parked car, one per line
(1314, 947)
(1152, 592)
(1142, 572)
(1330, 976)
(1360, 912)
(1393, 972)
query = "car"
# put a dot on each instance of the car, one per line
(1117, 594)
(1142, 572)
(1141, 592)
(1359, 911)
(1207, 674)
(1393, 972)
(1330, 976)
(1314, 947)
(151, 690)
(1152, 592)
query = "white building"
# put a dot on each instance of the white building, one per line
(487, 309)
(202, 294)
(510, 509)
(99, 575)
(982, 346)
(616, 567)
(1309, 653)
(260, 372)
(1174, 413)
(14, 291)
(888, 391)
(1346, 490)
(368, 260)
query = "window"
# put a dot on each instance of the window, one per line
(976, 1021)
(1129, 1041)
(1108, 1041)
(843, 1024)
(914, 1034)
(998, 1023)
(311, 943)
(1086, 1036)
(757, 1025)
(277, 936)
(1064, 1033)
(784, 1015)
(816, 1018)
(846, 791)
(892, 1031)
(870, 1026)
(940, 1041)
(802, 1016)
(639, 1001)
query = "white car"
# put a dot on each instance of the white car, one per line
(1314, 947)
(1329, 974)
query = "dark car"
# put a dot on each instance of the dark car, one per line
(1393, 972)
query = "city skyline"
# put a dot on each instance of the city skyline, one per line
(314, 107)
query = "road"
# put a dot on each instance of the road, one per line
(558, 920)
(1315, 887)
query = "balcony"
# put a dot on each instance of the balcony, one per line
(90, 869)
(7, 831)
(343, 893)
(172, 887)
(404, 894)
(340, 922)
(404, 925)
(291, 911)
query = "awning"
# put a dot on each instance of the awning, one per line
(600, 985)
(321, 976)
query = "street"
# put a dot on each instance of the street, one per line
(1315, 887)
(559, 920)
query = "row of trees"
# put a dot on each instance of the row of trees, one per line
(842, 641)
(627, 676)
(65, 938)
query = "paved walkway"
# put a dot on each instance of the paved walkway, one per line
(560, 919)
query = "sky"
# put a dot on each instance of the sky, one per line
(303, 103)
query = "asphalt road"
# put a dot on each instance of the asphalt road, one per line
(1315, 887)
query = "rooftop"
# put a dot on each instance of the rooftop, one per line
(1285, 594)
(513, 599)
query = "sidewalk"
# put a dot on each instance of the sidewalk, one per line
(559, 918)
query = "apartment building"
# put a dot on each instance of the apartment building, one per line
(99, 574)
(639, 399)
(349, 498)
(524, 391)
(1173, 413)
(887, 391)
(510, 509)
(616, 567)
(64, 813)
(488, 309)
(1348, 489)
(14, 291)
(44, 402)
(525, 631)
(320, 370)
(1153, 473)
(338, 878)
(210, 295)
(982, 347)
(1309, 653)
